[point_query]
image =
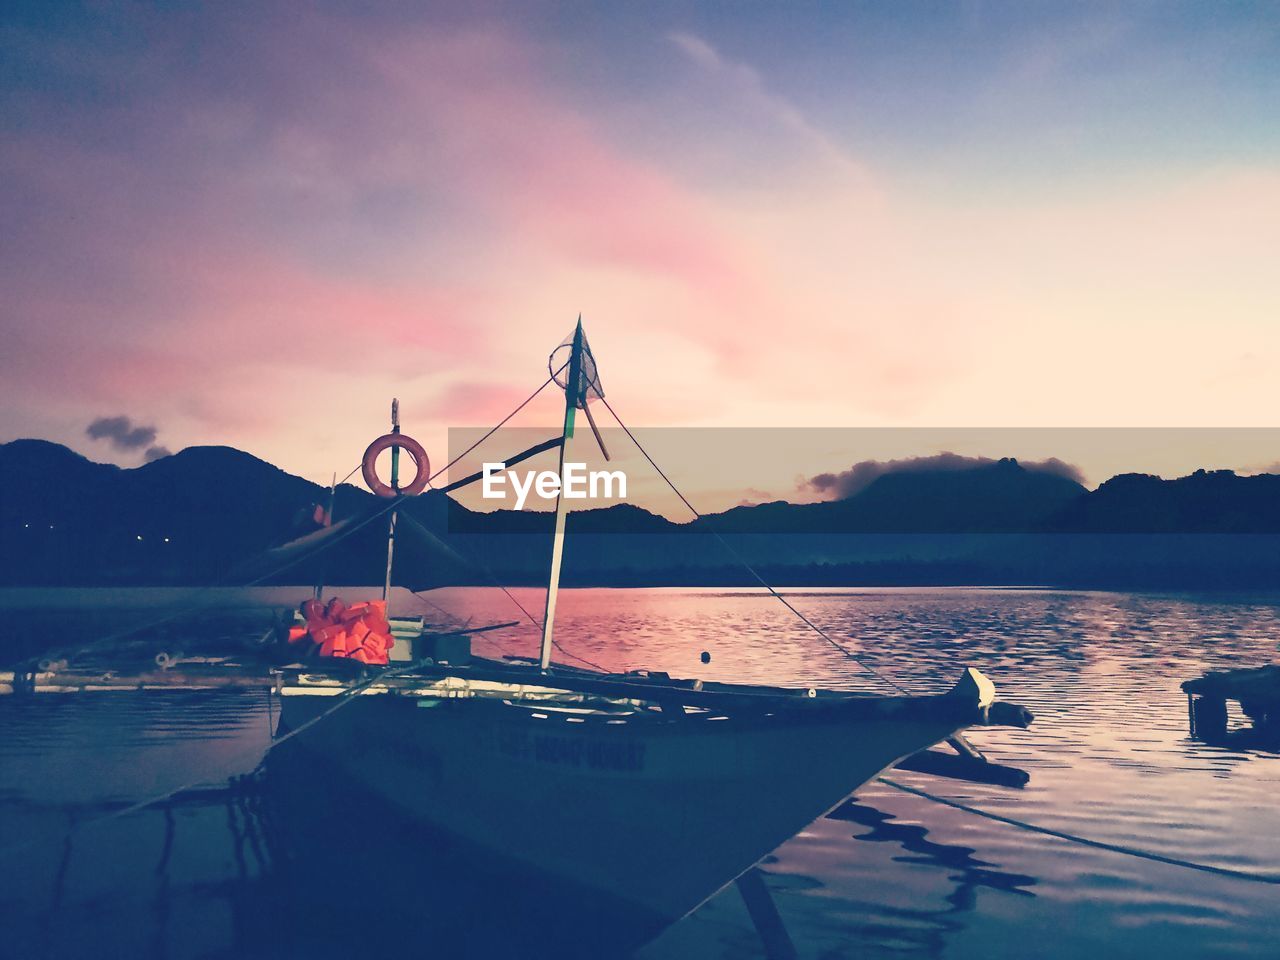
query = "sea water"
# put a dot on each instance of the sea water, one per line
(894, 875)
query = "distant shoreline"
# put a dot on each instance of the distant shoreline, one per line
(94, 598)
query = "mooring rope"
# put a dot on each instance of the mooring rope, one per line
(999, 818)
(749, 568)
(1084, 841)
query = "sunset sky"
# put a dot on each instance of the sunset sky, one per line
(255, 223)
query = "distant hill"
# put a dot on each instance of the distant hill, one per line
(1001, 497)
(1215, 501)
(182, 518)
(207, 514)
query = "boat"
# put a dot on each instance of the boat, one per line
(612, 804)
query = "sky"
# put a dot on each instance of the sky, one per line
(255, 223)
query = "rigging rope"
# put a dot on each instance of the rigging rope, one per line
(496, 428)
(431, 603)
(494, 580)
(487, 572)
(1084, 841)
(750, 569)
(454, 619)
(354, 471)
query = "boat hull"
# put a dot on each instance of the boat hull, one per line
(632, 822)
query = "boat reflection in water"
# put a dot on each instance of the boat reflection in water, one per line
(866, 918)
(970, 873)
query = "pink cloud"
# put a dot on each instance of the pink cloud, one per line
(268, 240)
(160, 273)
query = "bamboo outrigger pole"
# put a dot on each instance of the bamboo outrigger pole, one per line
(572, 392)
(395, 486)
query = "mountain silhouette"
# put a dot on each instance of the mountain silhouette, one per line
(1207, 501)
(220, 515)
(1001, 497)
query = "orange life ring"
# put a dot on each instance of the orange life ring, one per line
(410, 446)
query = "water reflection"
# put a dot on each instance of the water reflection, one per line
(321, 869)
(300, 865)
(1242, 739)
(873, 926)
(972, 872)
(75, 920)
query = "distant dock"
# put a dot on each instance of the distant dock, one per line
(1256, 689)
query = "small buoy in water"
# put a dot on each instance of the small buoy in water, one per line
(706, 657)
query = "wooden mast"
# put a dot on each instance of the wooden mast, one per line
(328, 522)
(572, 393)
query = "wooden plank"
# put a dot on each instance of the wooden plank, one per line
(1259, 684)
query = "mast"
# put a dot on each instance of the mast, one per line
(572, 393)
(328, 522)
(395, 485)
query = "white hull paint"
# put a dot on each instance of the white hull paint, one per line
(652, 814)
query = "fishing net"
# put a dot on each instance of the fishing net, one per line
(587, 386)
